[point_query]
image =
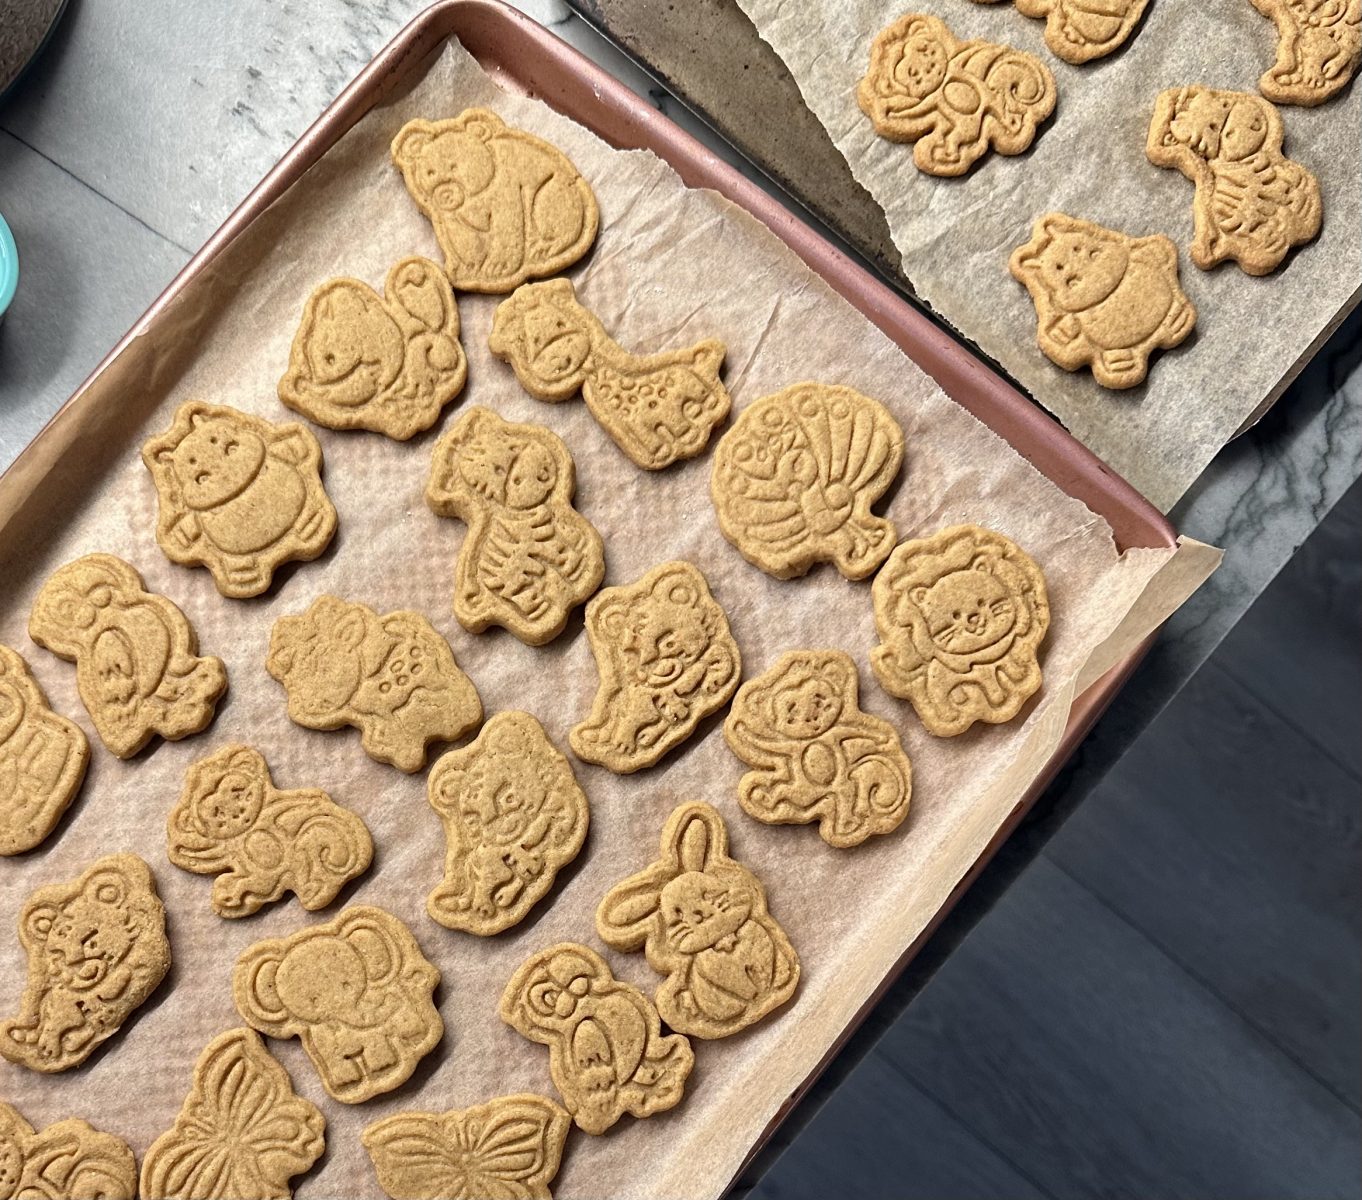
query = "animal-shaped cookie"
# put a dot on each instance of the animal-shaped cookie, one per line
(385, 363)
(69, 1160)
(509, 1147)
(701, 920)
(960, 615)
(1319, 44)
(513, 817)
(1252, 203)
(356, 991)
(392, 677)
(97, 949)
(956, 100)
(666, 661)
(795, 477)
(137, 663)
(658, 408)
(607, 1053)
(818, 757)
(506, 205)
(239, 495)
(529, 557)
(1080, 30)
(1103, 299)
(233, 822)
(242, 1130)
(43, 758)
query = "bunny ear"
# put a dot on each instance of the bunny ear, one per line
(695, 837)
(625, 917)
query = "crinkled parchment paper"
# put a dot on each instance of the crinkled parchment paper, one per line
(672, 266)
(1088, 160)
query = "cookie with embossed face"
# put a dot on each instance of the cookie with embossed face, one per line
(1080, 30)
(1319, 45)
(68, 1158)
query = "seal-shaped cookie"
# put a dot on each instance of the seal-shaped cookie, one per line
(239, 495)
(506, 205)
(138, 668)
(43, 758)
(607, 1053)
(508, 1147)
(1103, 299)
(818, 757)
(956, 100)
(529, 557)
(1252, 203)
(68, 1158)
(1319, 44)
(97, 948)
(701, 920)
(1080, 30)
(658, 408)
(357, 993)
(392, 677)
(795, 477)
(513, 817)
(960, 616)
(666, 661)
(231, 821)
(385, 363)
(242, 1130)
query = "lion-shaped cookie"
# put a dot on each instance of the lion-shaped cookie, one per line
(960, 617)
(1079, 31)
(69, 1160)
(1319, 45)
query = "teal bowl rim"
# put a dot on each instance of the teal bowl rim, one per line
(9, 266)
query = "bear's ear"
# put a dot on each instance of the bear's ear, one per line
(38, 921)
(409, 143)
(255, 988)
(108, 887)
(918, 595)
(165, 456)
(197, 417)
(482, 124)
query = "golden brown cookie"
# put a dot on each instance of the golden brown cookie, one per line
(1103, 299)
(1080, 30)
(960, 616)
(385, 363)
(513, 817)
(956, 100)
(67, 1159)
(239, 495)
(43, 758)
(509, 1147)
(1319, 44)
(357, 993)
(97, 949)
(818, 757)
(1252, 203)
(242, 1130)
(607, 1053)
(506, 205)
(666, 661)
(233, 822)
(392, 677)
(529, 557)
(137, 663)
(701, 919)
(658, 408)
(795, 477)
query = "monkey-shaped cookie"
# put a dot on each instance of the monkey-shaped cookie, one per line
(513, 817)
(666, 660)
(356, 991)
(392, 677)
(529, 557)
(43, 758)
(1103, 298)
(68, 1159)
(137, 663)
(97, 949)
(233, 822)
(386, 363)
(506, 205)
(239, 495)
(658, 408)
(956, 100)
(1319, 44)
(1252, 203)
(818, 757)
(795, 477)
(701, 920)
(1080, 30)
(607, 1053)
(960, 616)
